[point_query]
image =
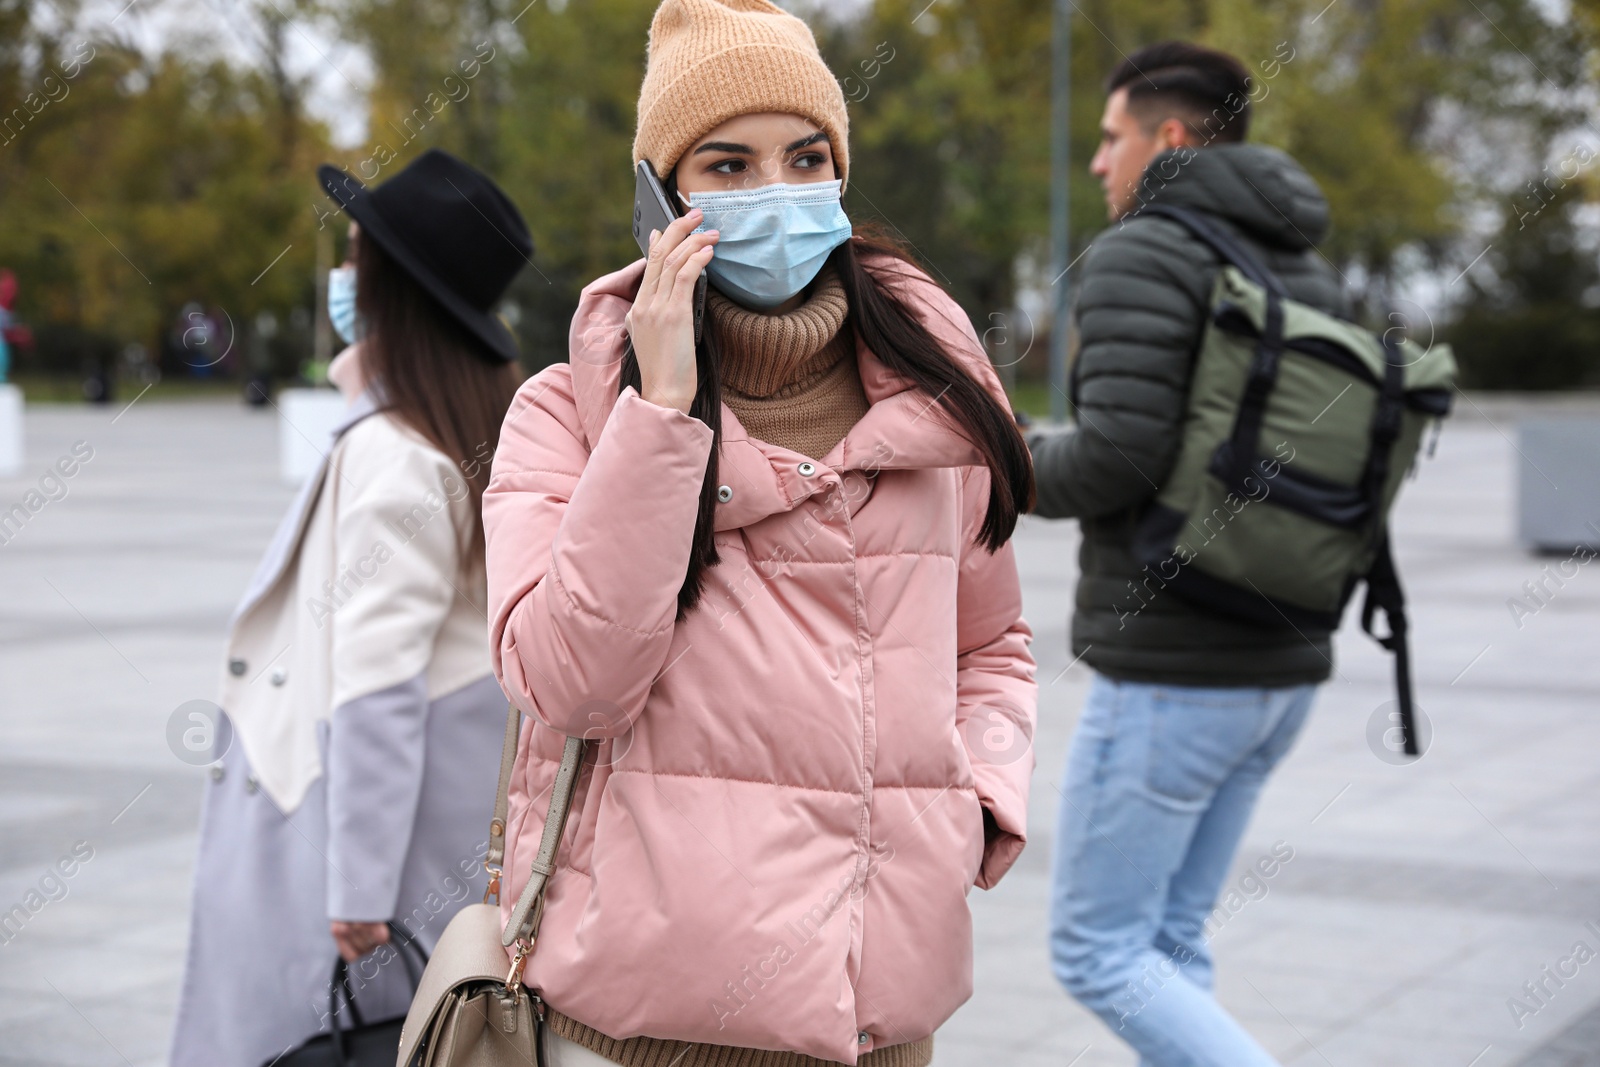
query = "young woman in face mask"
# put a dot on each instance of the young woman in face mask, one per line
(769, 575)
(360, 712)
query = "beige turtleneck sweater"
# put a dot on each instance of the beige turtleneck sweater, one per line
(655, 1052)
(791, 378)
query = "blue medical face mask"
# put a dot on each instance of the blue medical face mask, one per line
(342, 303)
(773, 240)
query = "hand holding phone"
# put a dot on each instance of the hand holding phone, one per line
(661, 321)
(653, 210)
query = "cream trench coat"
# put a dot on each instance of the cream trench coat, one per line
(358, 749)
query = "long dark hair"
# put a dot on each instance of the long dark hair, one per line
(435, 375)
(905, 346)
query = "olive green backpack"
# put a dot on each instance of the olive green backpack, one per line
(1299, 429)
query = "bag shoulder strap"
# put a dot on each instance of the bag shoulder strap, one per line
(1223, 243)
(1385, 593)
(523, 925)
(497, 825)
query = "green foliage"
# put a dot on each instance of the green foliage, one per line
(1359, 90)
(550, 116)
(1534, 325)
(949, 135)
(146, 184)
(951, 138)
(442, 78)
(158, 181)
(1541, 346)
(567, 154)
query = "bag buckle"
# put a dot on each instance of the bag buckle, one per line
(518, 961)
(493, 889)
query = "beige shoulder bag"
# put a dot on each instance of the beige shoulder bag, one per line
(469, 1010)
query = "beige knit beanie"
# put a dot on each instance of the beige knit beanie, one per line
(713, 60)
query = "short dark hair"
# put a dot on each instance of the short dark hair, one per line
(1207, 90)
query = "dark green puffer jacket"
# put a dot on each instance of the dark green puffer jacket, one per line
(1143, 293)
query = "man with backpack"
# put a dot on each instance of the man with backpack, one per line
(1189, 709)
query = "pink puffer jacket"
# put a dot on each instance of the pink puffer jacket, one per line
(774, 844)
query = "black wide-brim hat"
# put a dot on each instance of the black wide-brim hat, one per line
(451, 229)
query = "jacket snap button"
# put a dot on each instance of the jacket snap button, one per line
(250, 784)
(279, 676)
(724, 493)
(236, 667)
(861, 1038)
(216, 773)
(807, 469)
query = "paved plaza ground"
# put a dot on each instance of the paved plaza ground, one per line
(1418, 902)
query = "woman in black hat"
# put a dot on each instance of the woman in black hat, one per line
(356, 752)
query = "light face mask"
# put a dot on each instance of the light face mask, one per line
(773, 240)
(342, 302)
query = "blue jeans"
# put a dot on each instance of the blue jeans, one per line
(1160, 784)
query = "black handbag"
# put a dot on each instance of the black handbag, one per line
(362, 1044)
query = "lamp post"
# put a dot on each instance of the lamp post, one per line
(1060, 171)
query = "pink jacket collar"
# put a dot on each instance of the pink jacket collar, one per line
(903, 429)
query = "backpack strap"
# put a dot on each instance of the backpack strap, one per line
(1223, 243)
(1228, 248)
(1387, 416)
(1384, 591)
(1237, 457)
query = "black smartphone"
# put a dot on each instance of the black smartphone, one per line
(652, 210)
